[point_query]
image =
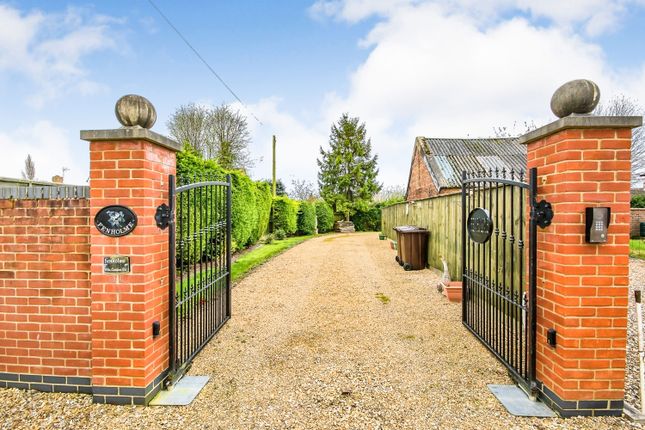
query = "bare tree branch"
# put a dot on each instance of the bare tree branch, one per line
(30, 169)
(624, 106)
(219, 134)
(303, 190)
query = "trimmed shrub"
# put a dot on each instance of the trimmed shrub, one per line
(250, 206)
(192, 168)
(324, 216)
(279, 234)
(638, 201)
(368, 219)
(244, 216)
(263, 199)
(285, 215)
(306, 218)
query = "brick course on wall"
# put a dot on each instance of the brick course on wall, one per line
(637, 217)
(420, 185)
(582, 287)
(45, 320)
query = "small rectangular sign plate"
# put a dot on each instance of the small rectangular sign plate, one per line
(116, 264)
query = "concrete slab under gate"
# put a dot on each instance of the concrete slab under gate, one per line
(518, 403)
(182, 393)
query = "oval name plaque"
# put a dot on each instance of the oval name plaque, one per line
(115, 221)
(480, 225)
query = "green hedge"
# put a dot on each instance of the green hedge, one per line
(285, 214)
(263, 200)
(368, 219)
(307, 218)
(244, 215)
(638, 201)
(250, 206)
(324, 216)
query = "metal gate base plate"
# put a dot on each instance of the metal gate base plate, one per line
(518, 403)
(182, 393)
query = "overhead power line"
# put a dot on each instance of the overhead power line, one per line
(230, 90)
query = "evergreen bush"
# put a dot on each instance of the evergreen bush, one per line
(638, 201)
(307, 218)
(324, 216)
(285, 215)
(250, 206)
(367, 219)
(263, 200)
(244, 216)
(279, 234)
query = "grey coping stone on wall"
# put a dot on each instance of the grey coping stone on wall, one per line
(518, 403)
(130, 133)
(581, 121)
(182, 393)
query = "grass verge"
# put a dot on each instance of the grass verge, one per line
(637, 248)
(261, 254)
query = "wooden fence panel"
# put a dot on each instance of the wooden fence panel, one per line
(442, 217)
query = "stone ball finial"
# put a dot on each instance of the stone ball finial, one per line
(580, 96)
(132, 110)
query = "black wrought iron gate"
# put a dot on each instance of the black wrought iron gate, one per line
(200, 266)
(499, 296)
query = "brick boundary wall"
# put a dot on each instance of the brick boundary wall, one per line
(582, 288)
(65, 324)
(45, 322)
(637, 217)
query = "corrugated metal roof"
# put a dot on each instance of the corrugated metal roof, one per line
(448, 158)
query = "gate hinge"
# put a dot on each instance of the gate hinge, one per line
(543, 213)
(162, 216)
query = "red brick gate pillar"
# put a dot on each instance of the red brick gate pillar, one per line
(582, 288)
(129, 167)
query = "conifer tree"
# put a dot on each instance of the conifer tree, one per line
(347, 171)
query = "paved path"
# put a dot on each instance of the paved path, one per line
(331, 334)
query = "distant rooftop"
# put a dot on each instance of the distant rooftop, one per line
(448, 158)
(6, 182)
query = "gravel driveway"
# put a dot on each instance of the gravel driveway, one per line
(331, 334)
(636, 282)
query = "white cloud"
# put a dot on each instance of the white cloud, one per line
(42, 140)
(297, 143)
(594, 16)
(49, 50)
(461, 68)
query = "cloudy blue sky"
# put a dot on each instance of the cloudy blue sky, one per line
(406, 67)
